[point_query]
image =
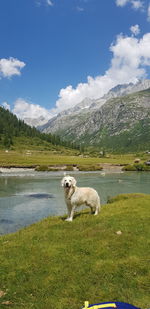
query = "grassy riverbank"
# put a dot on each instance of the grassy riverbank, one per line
(34, 158)
(57, 264)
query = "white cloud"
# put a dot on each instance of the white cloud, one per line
(136, 4)
(80, 9)
(135, 29)
(148, 13)
(44, 2)
(10, 67)
(130, 56)
(6, 105)
(23, 109)
(122, 2)
(49, 2)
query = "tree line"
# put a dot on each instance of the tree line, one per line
(11, 126)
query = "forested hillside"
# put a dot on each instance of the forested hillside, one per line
(15, 133)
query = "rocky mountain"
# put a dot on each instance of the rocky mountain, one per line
(35, 122)
(121, 122)
(89, 105)
(121, 90)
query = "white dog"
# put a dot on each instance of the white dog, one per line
(75, 196)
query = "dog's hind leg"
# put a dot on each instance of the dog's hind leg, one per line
(97, 208)
(91, 207)
(97, 205)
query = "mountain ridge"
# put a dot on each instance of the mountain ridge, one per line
(118, 119)
(91, 104)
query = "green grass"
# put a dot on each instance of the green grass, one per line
(137, 167)
(58, 265)
(35, 144)
(21, 158)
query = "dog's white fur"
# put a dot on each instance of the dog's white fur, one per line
(77, 196)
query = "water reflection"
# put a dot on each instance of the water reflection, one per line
(40, 195)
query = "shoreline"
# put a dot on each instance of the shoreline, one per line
(106, 167)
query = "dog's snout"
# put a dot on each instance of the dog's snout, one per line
(67, 184)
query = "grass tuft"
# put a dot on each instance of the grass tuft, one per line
(137, 167)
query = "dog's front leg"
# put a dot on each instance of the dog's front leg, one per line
(71, 209)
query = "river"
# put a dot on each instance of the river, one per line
(27, 196)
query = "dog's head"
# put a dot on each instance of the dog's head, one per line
(68, 182)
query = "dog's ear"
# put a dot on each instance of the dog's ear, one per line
(73, 182)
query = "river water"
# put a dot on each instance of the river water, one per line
(27, 196)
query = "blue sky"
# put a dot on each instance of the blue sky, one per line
(55, 53)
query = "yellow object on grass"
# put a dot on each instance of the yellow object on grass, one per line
(100, 306)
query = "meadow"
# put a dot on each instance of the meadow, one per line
(33, 158)
(57, 264)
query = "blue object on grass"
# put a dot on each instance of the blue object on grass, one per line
(109, 305)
